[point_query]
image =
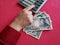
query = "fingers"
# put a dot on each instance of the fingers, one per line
(29, 8)
(30, 18)
(26, 22)
(28, 12)
(27, 16)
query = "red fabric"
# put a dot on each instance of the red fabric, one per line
(9, 36)
(9, 9)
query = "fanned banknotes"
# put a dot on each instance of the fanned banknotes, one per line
(41, 21)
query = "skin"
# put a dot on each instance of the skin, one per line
(23, 19)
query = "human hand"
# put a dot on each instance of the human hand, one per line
(23, 19)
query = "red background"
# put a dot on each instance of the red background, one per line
(10, 8)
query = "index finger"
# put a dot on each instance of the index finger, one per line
(29, 7)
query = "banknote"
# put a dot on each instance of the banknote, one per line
(41, 21)
(35, 34)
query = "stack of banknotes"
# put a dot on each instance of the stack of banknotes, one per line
(41, 20)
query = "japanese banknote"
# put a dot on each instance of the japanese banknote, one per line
(35, 34)
(41, 21)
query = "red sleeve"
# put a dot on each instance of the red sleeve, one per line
(9, 36)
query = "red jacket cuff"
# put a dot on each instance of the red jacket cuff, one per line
(9, 35)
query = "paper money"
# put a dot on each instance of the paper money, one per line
(35, 34)
(41, 21)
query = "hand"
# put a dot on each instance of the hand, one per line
(23, 19)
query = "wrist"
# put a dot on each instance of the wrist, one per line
(15, 25)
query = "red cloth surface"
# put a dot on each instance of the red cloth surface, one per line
(10, 8)
(9, 36)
